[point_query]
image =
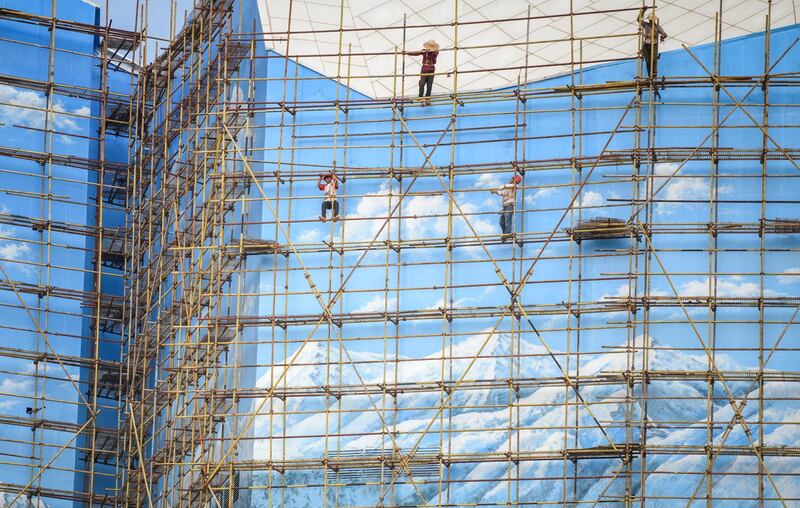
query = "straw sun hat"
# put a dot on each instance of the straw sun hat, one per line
(431, 45)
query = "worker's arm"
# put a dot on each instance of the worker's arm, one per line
(661, 32)
(640, 19)
(414, 53)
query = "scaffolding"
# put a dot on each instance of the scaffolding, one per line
(61, 270)
(268, 358)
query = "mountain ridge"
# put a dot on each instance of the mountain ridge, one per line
(479, 420)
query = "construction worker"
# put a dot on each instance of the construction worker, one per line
(509, 194)
(329, 184)
(430, 50)
(652, 33)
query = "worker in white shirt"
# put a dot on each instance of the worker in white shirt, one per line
(329, 184)
(509, 194)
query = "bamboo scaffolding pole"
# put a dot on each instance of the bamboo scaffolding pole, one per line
(94, 385)
(223, 157)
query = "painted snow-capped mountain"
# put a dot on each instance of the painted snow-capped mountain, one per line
(23, 501)
(676, 414)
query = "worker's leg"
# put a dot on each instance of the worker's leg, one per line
(503, 221)
(508, 212)
(421, 85)
(654, 63)
(429, 83)
(325, 206)
(647, 53)
(335, 208)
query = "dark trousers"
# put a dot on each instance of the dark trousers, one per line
(327, 205)
(650, 53)
(506, 219)
(425, 80)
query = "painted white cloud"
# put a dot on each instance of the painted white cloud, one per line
(12, 250)
(309, 236)
(556, 321)
(373, 206)
(590, 199)
(679, 188)
(790, 276)
(488, 181)
(734, 286)
(458, 302)
(486, 296)
(624, 290)
(28, 108)
(424, 216)
(541, 194)
(378, 304)
(420, 206)
(15, 385)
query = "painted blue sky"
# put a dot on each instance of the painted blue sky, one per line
(364, 201)
(684, 122)
(58, 258)
(423, 348)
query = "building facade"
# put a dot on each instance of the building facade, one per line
(181, 327)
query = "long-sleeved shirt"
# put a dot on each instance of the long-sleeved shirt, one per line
(648, 32)
(428, 60)
(509, 193)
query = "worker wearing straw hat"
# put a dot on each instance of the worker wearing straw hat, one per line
(430, 50)
(652, 33)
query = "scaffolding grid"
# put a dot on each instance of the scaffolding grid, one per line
(62, 269)
(408, 353)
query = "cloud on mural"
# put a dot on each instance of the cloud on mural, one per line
(378, 304)
(790, 276)
(536, 198)
(590, 199)
(679, 187)
(734, 286)
(14, 387)
(424, 216)
(12, 251)
(27, 108)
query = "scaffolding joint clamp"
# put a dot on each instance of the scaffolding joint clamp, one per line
(712, 228)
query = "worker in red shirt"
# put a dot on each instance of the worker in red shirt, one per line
(329, 184)
(429, 53)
